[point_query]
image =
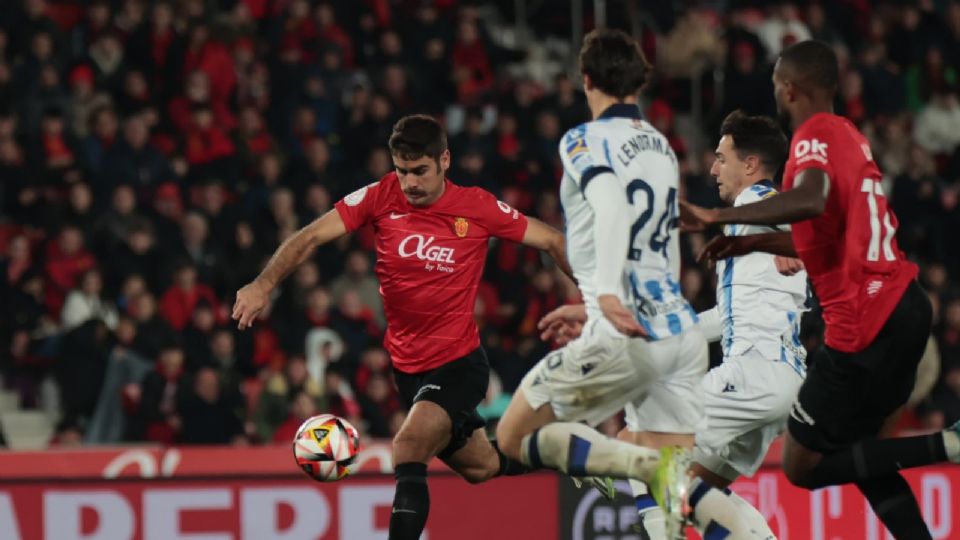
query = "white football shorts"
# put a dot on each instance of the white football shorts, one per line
(594, 376)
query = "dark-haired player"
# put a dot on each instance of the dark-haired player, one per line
(431, 240)
(877, 316)
(640, 343)
(747, 398)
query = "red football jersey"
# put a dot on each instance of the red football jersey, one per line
(850, 251)
(429, 263)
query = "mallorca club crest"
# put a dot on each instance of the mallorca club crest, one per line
(460, 226)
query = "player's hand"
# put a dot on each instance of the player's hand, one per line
(620, 317)
(721, 247)
(695, 218)
(563, 324)
(251, 301)
(788, 266)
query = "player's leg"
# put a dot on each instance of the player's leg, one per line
(586, 381)
(747, 401)
(829, 446)
(424, 433)
(670, 413)
(848, 398)
(536, 439)
(480, 459)
(650, 517)
(441, 419)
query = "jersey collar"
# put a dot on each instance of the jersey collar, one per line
(621, 110)
(766, 184)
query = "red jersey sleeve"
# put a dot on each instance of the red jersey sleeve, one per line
(813, 148)
(359, 208)
(501, 219)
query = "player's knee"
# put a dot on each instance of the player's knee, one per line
(409, 445)
(796, 474)
(478, 475)
(508, 441)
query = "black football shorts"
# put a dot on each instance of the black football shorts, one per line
(847, 397)
(457, 387)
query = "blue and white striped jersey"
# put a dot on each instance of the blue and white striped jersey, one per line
(621, 142)
(757, 306)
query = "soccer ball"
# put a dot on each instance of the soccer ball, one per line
(326, 447)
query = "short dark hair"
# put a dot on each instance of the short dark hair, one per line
(614, 62)
(756, 136)
(416, 136)
(814, 63)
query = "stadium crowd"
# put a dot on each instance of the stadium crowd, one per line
(154, 153)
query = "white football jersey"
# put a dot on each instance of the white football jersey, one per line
(620, 141)
(758, 307)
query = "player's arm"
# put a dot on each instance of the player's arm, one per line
(611, 239)
(253, 297)
(710, 324)
(545, 238)
(806, 200)
(722, 247)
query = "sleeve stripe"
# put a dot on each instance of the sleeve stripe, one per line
(590, 174)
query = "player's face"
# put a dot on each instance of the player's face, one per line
(422, 179)
(729, 170)
(781, 95)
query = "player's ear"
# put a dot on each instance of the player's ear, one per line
(752, 163)
(790, 90)
(587, 83)
(444, 161)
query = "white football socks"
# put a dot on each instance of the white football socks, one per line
(579, 450)
(753, 518)
(651, 519)
(716, 515)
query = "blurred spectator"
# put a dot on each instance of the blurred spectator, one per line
(179, 301)
(17, 260)
(81, 366)
(280, 394)
(137, 256)
(121, 390)
(937, 125)
(303, 406)
(354, 321)
(84, 99)
(154, 334)
(208, 416)
(111, 227)
(134, 160)
(86, 302)
(197, 247)
(67, 434)
(323, 348)
(314, 168)
(159, 418)
(358, 276)
(54, 146)
(101, 138)
(373, 362)
(67, 260)
(379, 401)
(782, 28)
(197, 335)
(241, 261)
(746, 83)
